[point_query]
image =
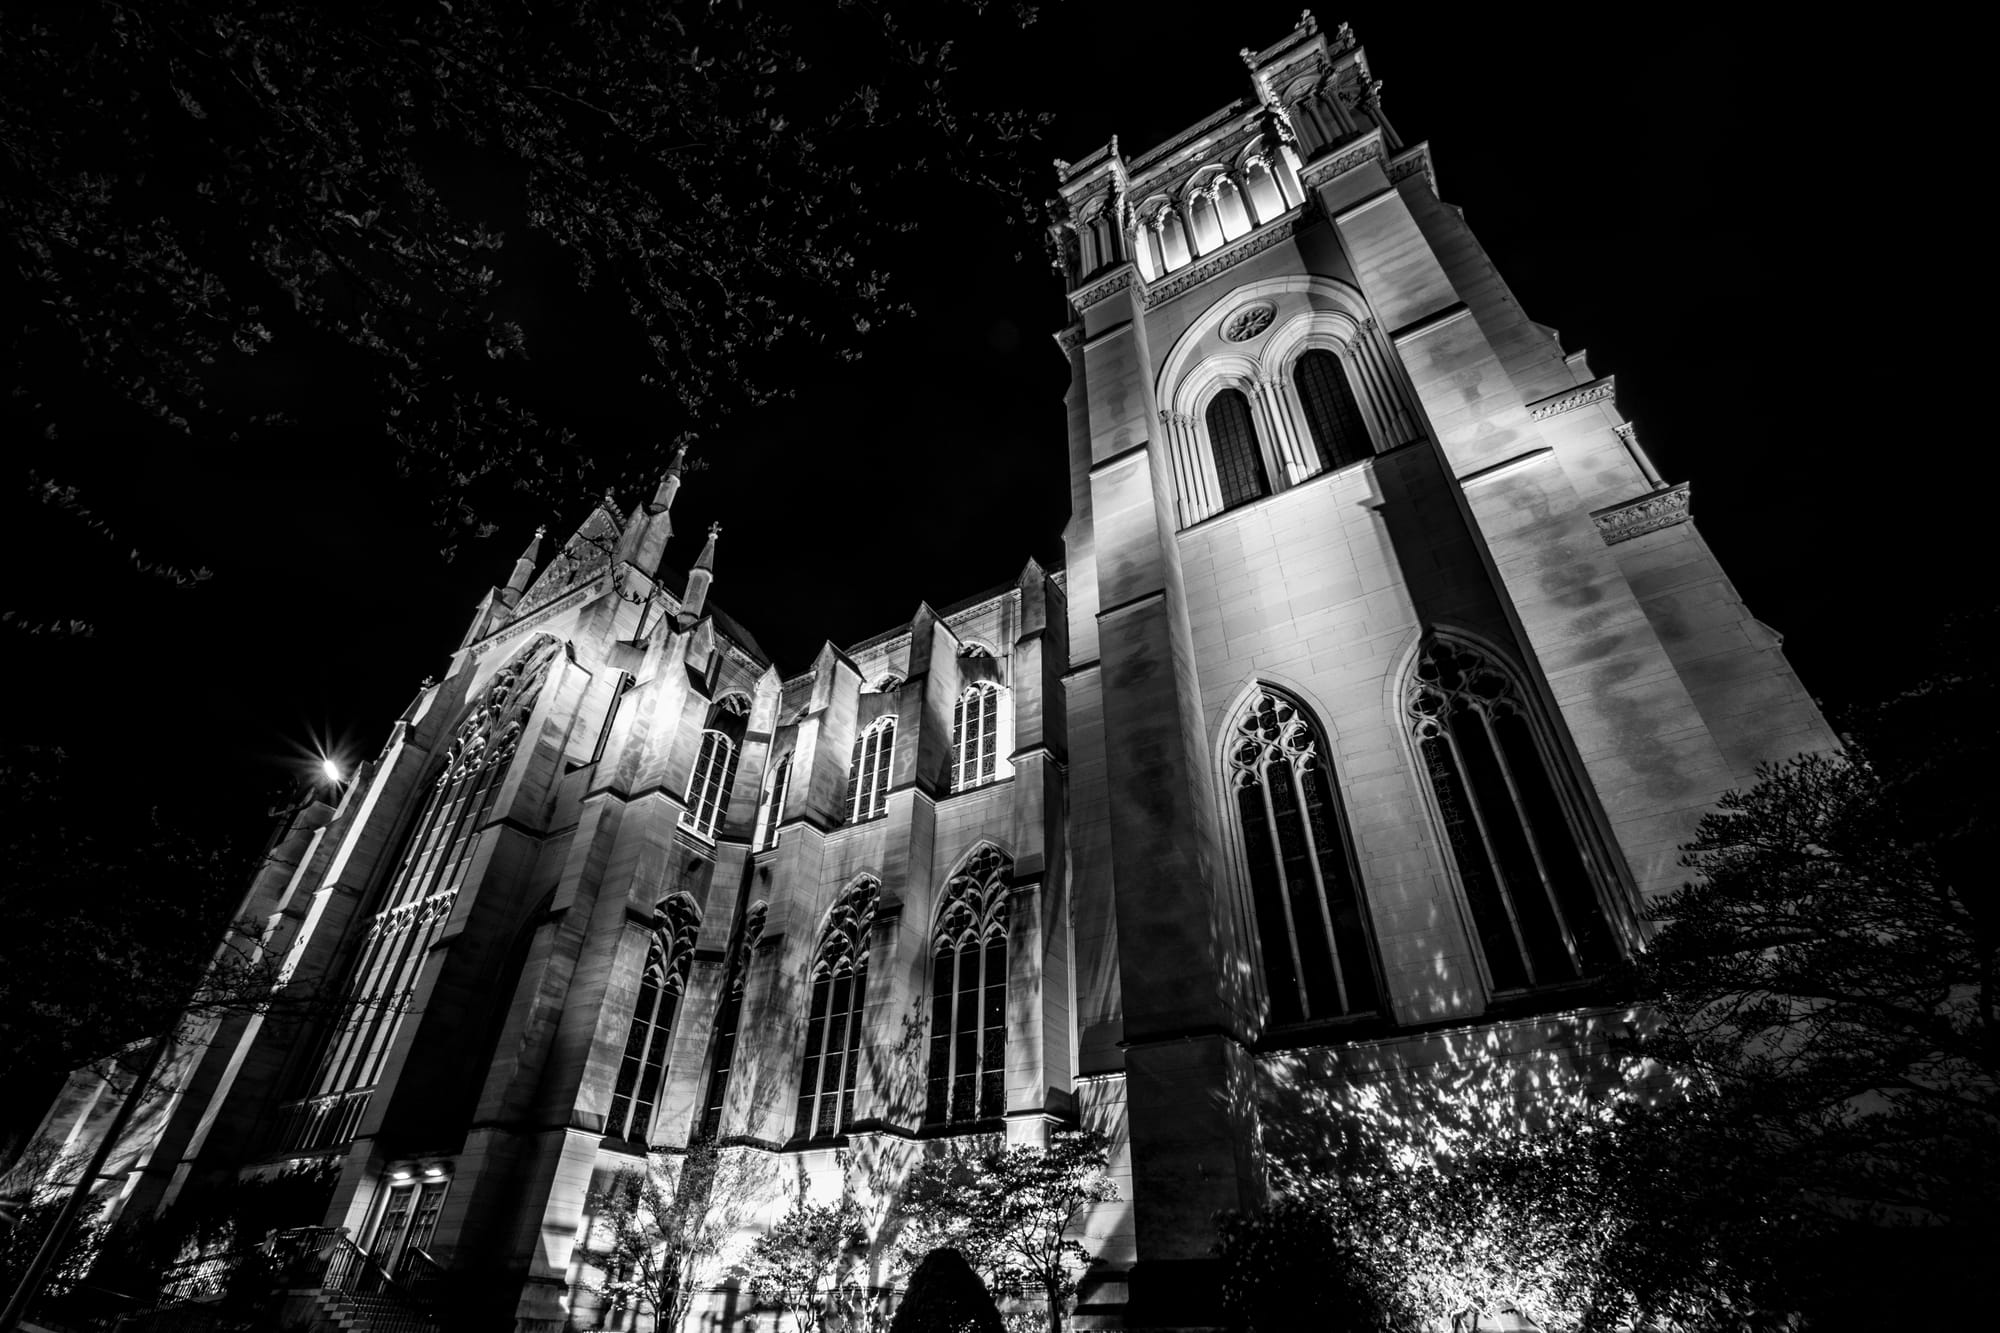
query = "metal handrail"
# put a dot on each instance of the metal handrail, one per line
(327, 1258)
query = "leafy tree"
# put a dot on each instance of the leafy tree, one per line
(1495, 1188)
(213, 210)
(1010, 1211)
(944, 1295)
(1832, 976)
(802, 1260)
(113, 927)
(659, 1234)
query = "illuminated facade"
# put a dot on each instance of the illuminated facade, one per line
(1382, 683)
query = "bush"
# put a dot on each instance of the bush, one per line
(946, 1296)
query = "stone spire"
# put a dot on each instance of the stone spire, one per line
(524, 570)
(657, 524)
(699, 578)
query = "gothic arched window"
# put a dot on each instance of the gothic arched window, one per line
(708, 788)
(828, 1075)
(975, 737)
(1317, 959)
(868, 775)
(968, 1057)
(773, 812)
(1528, 883)
(728, 1018)
(1239, 464)
(1332, 415)
(415, 905)
(643, 1066)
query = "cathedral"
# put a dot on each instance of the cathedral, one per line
(1381, 682)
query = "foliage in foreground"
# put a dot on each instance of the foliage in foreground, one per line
(216, 203)
(1011, 1211)
(659, 1234)
(803, 1260)
(1504, 1191)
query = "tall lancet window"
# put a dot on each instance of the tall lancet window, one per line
(1318, 962)
(868, 775)
(1528, 882)
(828, 1074)
(1239, 464)
(975, 737)
(708, 789)
(968, 1058)
(1332, 415)
(773, 812)
(414, 906)
(643, 1066)
(728, 1019)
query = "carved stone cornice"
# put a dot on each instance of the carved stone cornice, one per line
(1069, 339)
(1569, 400)
(1649, 513)
(1325, 168)
(1226, 258)
(1085, 297)
(1412, 161)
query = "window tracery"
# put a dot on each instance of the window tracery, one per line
(1332, 416)
(708, 787)
(1239, 460)
(773, 812)
(829, 1073)
(729, 1018)
(975, 734)
(416, 904)
(868, 774)
(968, 1045)
(643, 1065)
(1318, 961)
(1527, 879)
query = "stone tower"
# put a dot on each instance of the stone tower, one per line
(1382, 682)
(1397, 674)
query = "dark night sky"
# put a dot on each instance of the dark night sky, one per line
(1683, 199)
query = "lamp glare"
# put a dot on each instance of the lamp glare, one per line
(331, 770)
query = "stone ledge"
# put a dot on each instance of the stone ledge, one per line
(1649, 513)
(1569, 400)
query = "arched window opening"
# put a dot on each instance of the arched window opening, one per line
(1239, 463)
(828, 1076)
(1528, 884)
(773, 812)
(1174, 248)
(414, 907)
(1332, 415)
(868, 775)
(975, 737)
(708, 788)
(643, 1066)
(1318, 962)
(968, 1055)
(1202, 217)
(1261, 190)
(729, 1018)
(1230, 210)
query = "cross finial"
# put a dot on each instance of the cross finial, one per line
(715, 529)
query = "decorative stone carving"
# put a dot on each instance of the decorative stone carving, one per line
(1226, 258)
(1086, 297)
(1648, 513)
(1326, 168)
(1248, 321)
(1414, 161)
(1569, 400)
(1069, 339)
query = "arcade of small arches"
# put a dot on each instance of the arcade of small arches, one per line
(1219, 203)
